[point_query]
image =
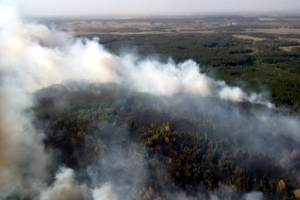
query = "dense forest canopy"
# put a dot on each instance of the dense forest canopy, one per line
(186, 142)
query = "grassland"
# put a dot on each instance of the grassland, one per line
(247, 37)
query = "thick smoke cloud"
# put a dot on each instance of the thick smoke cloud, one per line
(39, 57)
(65, 188)
(33, 57)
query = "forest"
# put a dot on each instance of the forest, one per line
(260, 53)
(201, 147)
(185, 107)
(258, 66)
(184, 148)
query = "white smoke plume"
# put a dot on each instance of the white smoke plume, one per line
(33, 57)
(104, 192)
(253, 196)
(40, 57)
(65, 188)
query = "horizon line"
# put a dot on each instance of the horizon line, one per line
(295, 12)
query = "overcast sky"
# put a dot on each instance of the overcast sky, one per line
(131, 7)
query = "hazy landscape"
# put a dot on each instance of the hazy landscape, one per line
(153, 107)
(254, 51)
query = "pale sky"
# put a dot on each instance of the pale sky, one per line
(146, 7)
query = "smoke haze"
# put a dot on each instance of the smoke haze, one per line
(143, 7)
(33, 57)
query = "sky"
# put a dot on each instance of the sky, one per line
(148, 7)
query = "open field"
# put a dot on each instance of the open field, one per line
(291, 39)
(142, 33)
(178, 24)
(247, 37)
(275, 30)
(159, 25)
(289, 48)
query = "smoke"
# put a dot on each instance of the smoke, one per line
(41, 57)
(33, 57)
(254, 195)
(104, 192)
(65, 188)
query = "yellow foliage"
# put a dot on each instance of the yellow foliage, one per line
(297, 193)
(148, 194)
(280, 185)
(167, 127)
(167, 140)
